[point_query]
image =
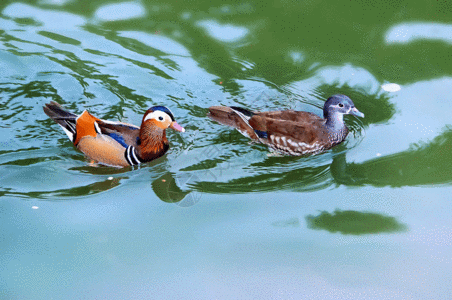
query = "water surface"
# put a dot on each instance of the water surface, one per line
(217, 217)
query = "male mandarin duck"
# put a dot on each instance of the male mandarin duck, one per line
(115, 143)
(291, 132)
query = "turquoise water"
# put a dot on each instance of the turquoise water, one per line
(217, 217)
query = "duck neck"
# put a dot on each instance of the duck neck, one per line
(153, 142)
(335, 122)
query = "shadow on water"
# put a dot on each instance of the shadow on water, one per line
(354, 223)
(168, 188)
(345, 222)
(422, 164)
(27, 177)
(90, 189)
(304, 179)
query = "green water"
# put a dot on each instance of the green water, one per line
(217, 218)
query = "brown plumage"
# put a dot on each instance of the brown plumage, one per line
(291, 132)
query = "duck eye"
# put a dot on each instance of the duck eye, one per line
(161, 118)
(341, 105)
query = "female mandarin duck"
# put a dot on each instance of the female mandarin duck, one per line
(291, 132)
(115, 143)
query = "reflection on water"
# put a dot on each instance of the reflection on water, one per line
(90, 189)
(425, 164)
(244, 211)
(422, 164)
(162, 43)
(409, 32)
(299, 179)
(223, 33)
(354, 222)
(168, 189)
(120, 11)
(57, 20)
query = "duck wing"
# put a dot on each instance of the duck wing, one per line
(305, 136)
(291, 132)
(290, 115)
(124, 133)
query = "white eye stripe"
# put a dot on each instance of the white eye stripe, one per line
(156, 114)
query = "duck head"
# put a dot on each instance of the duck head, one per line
(161, 117)
(339, 105)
